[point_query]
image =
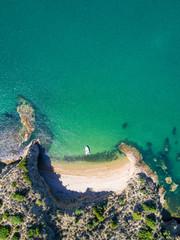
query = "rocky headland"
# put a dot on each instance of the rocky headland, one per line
(29, 209)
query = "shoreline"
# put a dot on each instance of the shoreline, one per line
(99, 176)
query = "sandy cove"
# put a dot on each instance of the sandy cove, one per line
(100, 176)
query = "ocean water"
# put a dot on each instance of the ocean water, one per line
(90, 66)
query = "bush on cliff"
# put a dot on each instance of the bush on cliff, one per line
(149, 209)
(137, 216)
(5, 215)
(150, 223)
(18, 196)
(34, 231)
(39, 202)
(114, 224)
(143, 191)
(145, 234)
(26, 177)
(13, 185)
(98, 212)
(16, 219)
(1, 203)
(4, 232)
(23, 164)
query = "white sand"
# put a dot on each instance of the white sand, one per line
(107, 176)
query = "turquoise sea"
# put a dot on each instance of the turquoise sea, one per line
(88, 67)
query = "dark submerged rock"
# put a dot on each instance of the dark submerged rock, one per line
(174, 131)
(166, 145)
(124, 125)
(8, 115)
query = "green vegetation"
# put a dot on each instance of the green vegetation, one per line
(1, 203)
(98, 212)
(141, 180)
(149, 209)
(31, 232)
(34, 231)
(143, 191)
(16, 229)
(18, 196)
(137, 216)
(121, 201)
(114, 224)
(92, 224)
(5, 215)
(23, 164)
(89, 226)
(16, 219)
(95, 222)
(76, 220)
(15, 237)
(13, 185)
(26, 177)
(4, 232)
(39, 202)
(38, 230)
(78, 212)
(150, 223)
(145, 234)
(166, 234)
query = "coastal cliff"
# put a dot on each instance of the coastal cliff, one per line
(28, 209)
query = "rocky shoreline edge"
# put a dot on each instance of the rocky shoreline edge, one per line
(135, 212)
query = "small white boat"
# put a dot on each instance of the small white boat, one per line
(87, 150)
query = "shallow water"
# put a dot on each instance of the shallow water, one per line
(89, 67)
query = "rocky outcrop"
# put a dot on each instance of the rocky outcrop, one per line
(135, 158)
(27, 115)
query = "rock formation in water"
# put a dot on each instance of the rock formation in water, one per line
(27, 115)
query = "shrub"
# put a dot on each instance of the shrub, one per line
(16, 219)
(4, 232)
(137, 216)
(16, 229)
(145, 235)
(141, 180)
(143, 191)
(149, 209)
(166, 234)
(26, 177)
(1, 203)
(5, 215)
(98, 212)
(150, 223)
(39, 202)
(76, 220)
(31, 232)
(95, 222)
(89, 226)
(23, 164)
(114, 224)
(18, 196)
(121, 201)
(38, 230)
(13, 185)
(78, 212)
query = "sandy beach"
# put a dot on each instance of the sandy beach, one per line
(106, 176)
